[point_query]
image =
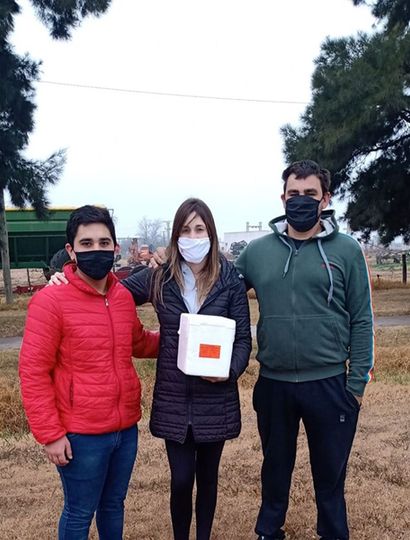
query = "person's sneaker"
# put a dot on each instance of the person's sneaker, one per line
(270, 538)
(280, 536)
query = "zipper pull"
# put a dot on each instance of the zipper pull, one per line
(106, 301)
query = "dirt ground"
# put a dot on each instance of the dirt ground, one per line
(377, 487)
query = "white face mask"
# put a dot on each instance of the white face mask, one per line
(194, 250)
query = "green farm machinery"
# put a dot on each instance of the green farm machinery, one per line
(34, 242)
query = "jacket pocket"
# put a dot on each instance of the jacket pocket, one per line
(276, 339)
(71, 393)
(318, 342)
(64, 393)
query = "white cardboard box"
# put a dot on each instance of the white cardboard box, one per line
(205, 345)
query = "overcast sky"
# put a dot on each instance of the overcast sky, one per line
(142, 154)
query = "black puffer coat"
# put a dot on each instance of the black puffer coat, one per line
(212, 409)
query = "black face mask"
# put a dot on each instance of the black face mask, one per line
(95, 264)
(302, 212)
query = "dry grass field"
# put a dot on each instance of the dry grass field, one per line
(386, 302)
(378, 484)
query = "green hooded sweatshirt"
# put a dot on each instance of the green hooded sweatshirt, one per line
(315, 312)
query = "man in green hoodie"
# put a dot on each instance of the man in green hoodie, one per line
(315, 348)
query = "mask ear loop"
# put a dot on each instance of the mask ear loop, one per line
(320, 210)
(74, 259)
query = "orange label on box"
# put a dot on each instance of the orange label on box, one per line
(209, 351)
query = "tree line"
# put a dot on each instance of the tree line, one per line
(357, 124)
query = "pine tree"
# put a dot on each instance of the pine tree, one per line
(27, 180)
(358, 124)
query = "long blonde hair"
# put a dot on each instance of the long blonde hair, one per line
(172, 269)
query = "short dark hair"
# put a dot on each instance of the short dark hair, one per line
(303, 169)
(84, 216)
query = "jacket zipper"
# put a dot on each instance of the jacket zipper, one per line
(296, 253)
(213, 294)
(293, 296)
(174, 289)
(107, 305)
(189, 397)
(208, 299)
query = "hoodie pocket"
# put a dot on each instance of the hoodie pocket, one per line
(276, 340)
(318, 342)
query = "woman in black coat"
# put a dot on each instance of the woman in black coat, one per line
(195, 415)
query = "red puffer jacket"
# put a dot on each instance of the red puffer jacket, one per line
(75, 363)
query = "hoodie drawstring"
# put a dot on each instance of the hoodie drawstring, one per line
(285, 270)
(329, 271)
(325, 260)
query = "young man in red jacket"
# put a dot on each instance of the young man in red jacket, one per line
(80, 390)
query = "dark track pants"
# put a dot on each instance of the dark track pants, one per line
(329, 413)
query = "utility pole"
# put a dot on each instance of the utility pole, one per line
(4, 248)
(404, 261)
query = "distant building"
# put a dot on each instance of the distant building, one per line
(251, 233)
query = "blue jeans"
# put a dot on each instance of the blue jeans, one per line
(96, 480)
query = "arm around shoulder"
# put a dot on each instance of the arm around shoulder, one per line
(139, 285)
(239, 311)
